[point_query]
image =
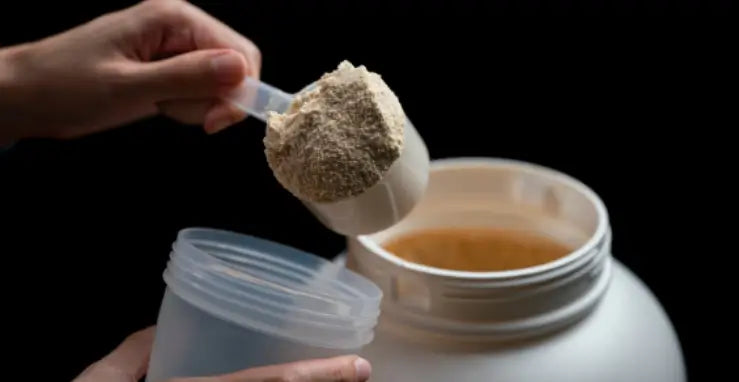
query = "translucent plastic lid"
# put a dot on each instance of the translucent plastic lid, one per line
(273, 288)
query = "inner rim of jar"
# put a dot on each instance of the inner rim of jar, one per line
(526, 175)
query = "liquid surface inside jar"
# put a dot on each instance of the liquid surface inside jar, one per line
(477, 249)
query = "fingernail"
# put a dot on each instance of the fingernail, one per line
(228, 67)
(364, 369)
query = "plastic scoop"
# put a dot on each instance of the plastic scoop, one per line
(378, 207)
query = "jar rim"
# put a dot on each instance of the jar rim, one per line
(601, 230)
(497, 304)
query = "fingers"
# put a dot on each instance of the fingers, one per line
(221, 116)
(340, 369)
(206, 59)
(186, 27)
(127, 363)
(197, 74)
(214, 114)
(187, 111)
(212, 33)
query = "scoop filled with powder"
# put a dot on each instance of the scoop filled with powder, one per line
(338, 139)
(343, 146)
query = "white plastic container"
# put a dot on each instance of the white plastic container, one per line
(234, 301)
(580, 318)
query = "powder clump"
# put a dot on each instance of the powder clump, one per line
(337, 139)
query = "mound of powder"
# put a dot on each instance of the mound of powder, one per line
(338, 139)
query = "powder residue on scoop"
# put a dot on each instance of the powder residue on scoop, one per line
(338, 139)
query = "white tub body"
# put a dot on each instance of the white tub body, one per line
(626, 338)
(581, 318)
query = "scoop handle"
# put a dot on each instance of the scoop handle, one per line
(256, 98)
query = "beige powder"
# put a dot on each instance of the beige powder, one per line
(338, 139)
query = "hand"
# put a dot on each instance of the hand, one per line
(129, 361)
(160, 56)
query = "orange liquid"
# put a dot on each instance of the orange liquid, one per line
(476, 249)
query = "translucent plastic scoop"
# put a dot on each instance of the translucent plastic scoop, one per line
(378, 207)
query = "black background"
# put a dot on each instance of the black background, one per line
(614, 93)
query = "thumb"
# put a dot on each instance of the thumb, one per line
(196, 74)
(339, 369)
(127, 363)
